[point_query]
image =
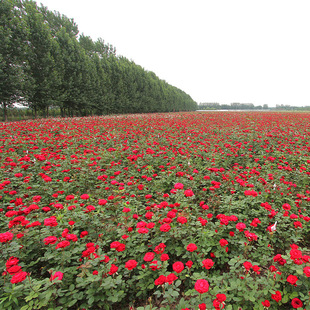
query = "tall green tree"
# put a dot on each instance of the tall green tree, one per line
(57, 21)
(12, 52)
(41, 66)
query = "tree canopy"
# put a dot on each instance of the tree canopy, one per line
(45, 63)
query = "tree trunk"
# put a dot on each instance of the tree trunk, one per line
(5, 112)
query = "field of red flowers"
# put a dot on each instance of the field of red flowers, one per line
(156, 211)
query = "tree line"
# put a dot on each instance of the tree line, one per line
(248, 106)
(232, 106)
(45, 64)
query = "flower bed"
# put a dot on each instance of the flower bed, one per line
(184, 211)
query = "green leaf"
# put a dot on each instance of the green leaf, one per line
(294, 294)
(91, 300)
(71, 303)
(285, 299)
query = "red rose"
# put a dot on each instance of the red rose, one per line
(5, 237)
(178, 267)
(171, 277)
(182, 220)
(113, 269)
(148, 257)
(247, 265)
(223, 242)
(207, 263)
(191, 247)
(83, 234)
(14, 269)
(292, 279)
(131, 264)
(62, 244)
(19, 277)
(178, 186)
(57, 276)
(202, 307)
(266, 303)
(307, 271)
(277, 296)
(51, 221)
(160, 280)
(164, 257)
(296, 303)
(295, 254)
(221, 297)
(240, 226)
(11, 262)
(202, 286)
(188, 193)
(189, 264)
(159, 249)
(143, 230)
(216, 304)
(165, 227)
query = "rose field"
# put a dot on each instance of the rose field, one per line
(156, 211)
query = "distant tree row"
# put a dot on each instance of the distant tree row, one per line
(248, 106)
(232, 106)
(45, 64)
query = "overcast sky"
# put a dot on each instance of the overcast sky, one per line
(247, 51)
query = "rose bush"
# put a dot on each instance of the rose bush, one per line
(184, 210)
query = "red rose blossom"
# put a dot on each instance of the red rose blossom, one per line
(178, 267)
(202, 286)
(19, 277)
(131, 264)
